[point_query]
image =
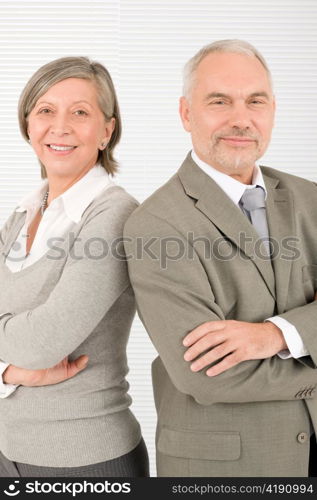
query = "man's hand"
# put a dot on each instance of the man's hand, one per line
(234, 341)
(54, 375)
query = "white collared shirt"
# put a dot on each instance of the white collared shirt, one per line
(57, 219)
(234, 189)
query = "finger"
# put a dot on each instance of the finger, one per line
(209, 341)
(201, 330)
(63, 363)
(210, 357)
(224, 365)
(77, 365)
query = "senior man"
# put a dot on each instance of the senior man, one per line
(231, 315)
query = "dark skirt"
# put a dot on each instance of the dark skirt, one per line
(132, 464)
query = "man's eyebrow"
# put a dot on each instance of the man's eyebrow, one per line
(216, 94)
(212, 95)
(259, 94)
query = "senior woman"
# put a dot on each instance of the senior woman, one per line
(65, 289)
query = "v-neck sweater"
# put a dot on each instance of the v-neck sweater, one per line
(76, 299)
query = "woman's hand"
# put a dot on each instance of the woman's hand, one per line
(48, 376)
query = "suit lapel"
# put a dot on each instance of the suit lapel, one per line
(225, 215)
(281, 223)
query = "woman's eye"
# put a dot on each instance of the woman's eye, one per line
(81, 112)
(44, 111)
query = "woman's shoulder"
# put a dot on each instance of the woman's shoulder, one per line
(117, 195)
(13, 220)
(113, 206)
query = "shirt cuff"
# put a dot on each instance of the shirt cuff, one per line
(296, 348)
(5, 389)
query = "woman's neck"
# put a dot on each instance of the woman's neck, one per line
(57, 185)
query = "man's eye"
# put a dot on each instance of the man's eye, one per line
(81, 112)
(219, 101)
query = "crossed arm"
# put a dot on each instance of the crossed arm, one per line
(178, 299)
(78, 302)
(47, 376)
(235, 341)
(225, 344)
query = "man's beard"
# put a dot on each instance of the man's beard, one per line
(234, 158)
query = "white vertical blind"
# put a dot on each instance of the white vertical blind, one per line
(144, 44)
(31, 34)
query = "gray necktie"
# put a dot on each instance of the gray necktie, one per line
(252, 204)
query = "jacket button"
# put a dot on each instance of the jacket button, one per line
(302, 437)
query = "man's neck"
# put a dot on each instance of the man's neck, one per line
(245, 175)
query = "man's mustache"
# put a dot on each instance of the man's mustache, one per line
(236, 133)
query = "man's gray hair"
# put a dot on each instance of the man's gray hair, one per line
(233, 46)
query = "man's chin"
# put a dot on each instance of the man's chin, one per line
(234, 159)
(236, 163)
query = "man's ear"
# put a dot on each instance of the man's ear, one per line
(274, 110)
(184, 112)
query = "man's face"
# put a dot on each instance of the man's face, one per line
(229, 112)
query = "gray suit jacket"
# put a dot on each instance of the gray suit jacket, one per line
(193, 257)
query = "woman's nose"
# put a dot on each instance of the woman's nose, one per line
(60, 125)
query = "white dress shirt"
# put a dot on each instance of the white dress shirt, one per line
(234, 190)
(57, 219)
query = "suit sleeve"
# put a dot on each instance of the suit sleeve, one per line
(173, 297)
(94, 277)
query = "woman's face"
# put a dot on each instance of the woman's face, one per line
(66, 128)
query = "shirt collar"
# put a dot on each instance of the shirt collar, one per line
(233, 188)
(33, 200)
(77, 198)
(74, 200)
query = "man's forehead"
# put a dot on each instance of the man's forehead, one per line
(222, 58)
(229, 72)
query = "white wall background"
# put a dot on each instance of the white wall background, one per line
(144, 44)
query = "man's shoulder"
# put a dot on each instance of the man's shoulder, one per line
(287, 180)
(162, 203)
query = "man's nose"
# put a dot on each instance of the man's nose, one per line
(60, 125)
(240, 116)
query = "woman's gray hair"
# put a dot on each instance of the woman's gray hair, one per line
(233, 46)
(74, 67)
